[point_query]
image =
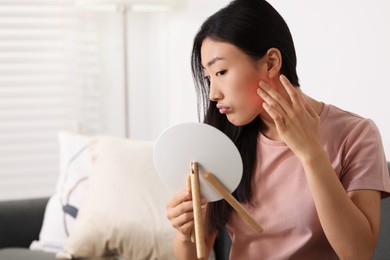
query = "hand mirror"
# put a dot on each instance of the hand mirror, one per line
(179, 145)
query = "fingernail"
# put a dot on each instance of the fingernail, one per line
(263, 85)
(283, 77)
(260, 91)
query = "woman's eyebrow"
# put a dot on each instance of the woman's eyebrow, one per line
(214, 60)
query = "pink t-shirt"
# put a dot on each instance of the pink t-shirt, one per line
(282, 203)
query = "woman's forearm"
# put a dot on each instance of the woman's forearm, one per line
(183, 248)
(348, 230)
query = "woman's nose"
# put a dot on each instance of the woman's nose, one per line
(215, 93)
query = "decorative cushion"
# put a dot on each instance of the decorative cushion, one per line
(124, 211)
(61, 210)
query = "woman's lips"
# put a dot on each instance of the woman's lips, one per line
(223, 109)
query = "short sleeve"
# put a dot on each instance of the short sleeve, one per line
(364, 164)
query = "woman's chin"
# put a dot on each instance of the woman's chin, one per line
(237, 121)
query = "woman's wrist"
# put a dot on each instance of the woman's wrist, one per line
(183, 238)
(313, 157)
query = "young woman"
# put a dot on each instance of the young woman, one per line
(313, 173)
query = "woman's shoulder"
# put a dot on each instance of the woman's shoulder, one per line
(344, 119)
(349, 140)
(346, 128)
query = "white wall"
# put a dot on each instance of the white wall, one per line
(343, 54)
(162, 92)
(112, 57)
(342, 49)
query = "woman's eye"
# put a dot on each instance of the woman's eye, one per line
(220, 73)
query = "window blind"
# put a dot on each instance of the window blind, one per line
(49, 81)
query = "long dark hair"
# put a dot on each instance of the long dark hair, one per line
(253, 26)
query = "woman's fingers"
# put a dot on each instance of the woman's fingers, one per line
(180, 212)
(309, 108)
(186, 228)
(180, 204)
(182, 216)
(273, 98)
(295, 97)
(179, 198)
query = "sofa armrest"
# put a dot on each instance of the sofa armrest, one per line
(21, 221)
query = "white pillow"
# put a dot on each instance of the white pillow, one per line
(75, 168)
(124, 211)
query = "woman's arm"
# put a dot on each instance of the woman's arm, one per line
(350, 220)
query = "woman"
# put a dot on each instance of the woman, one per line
(313, 173)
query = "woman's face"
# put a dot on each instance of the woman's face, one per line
(234, 78)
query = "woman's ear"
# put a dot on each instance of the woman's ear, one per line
(274, 62)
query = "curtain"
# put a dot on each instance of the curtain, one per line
(49, 81)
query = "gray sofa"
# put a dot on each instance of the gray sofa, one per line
(21, 221)
(20, 224)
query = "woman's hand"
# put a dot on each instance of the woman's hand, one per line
(180, 213)
(296, 121)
